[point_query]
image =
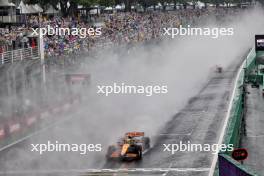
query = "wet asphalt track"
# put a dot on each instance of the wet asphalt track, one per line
(199, 122)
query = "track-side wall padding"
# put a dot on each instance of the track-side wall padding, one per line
(230, 167)
(226, 165)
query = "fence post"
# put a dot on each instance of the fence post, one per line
(21, 54)
(12, 57)
(31, 53)
(2, 58)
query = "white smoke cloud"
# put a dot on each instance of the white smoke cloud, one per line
(183, 64)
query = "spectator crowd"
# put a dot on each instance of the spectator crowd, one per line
(117, 29)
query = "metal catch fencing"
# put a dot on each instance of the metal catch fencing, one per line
(19, 55)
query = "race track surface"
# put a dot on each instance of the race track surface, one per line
(200, 122)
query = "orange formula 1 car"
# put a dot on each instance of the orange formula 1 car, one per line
(129, 147)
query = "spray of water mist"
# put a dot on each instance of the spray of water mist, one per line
(183, 64)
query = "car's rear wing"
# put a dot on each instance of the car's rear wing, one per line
(135, 134)
(78, 78)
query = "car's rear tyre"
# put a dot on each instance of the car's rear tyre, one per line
(139, 154)
(110, 150)
(146, 142)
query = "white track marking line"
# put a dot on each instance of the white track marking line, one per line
(220, 141)
(82, 171)
(167, 171)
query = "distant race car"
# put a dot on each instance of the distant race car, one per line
(219, 69)
(84, 79)
(130, 147)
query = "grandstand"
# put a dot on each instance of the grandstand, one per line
(7, 12)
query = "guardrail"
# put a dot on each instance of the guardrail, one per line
(16, 129)
(19, 55)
